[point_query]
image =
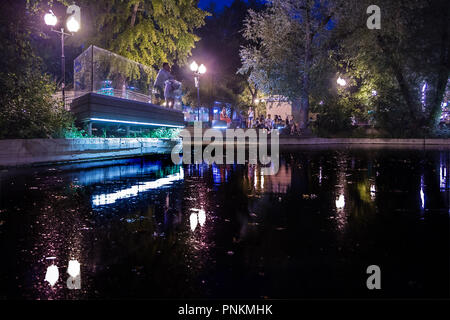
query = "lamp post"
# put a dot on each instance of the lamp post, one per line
(198, 70)
(73, 25)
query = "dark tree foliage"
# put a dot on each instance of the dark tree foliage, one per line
(218, 49)
(406, 61)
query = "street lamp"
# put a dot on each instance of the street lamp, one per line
(198, 71)
(73, 25)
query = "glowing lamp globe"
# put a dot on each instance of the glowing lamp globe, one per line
(194, 66)
(50, 19)
(72, 24)
(202, 69)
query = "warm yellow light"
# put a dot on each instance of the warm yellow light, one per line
(202, 69)
(194, 66)
(72, 24)
(50, 19)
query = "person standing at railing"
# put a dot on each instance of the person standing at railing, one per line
(160, 82)
(224, 117)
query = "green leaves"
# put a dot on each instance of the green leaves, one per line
(149, 32)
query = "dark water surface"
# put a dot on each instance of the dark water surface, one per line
(143, 228)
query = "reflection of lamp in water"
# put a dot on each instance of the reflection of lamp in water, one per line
(193, 221)
(372, 191)
(422, 194)
(74, 268)
(52, 275)
(340, 202)
(201, 217)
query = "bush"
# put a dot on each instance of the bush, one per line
(160, 133)
(332, 119)
(28, 109)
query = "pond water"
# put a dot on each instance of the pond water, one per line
(145, 228)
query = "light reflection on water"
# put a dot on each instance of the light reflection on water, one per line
(226, 230)
(133, 191)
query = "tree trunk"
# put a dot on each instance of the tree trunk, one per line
(403, 85)
(134, 14)
(297, 109)
(304, 108)
(442, 79)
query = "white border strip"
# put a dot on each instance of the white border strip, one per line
(138, 123)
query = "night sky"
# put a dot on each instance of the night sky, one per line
(219, 3)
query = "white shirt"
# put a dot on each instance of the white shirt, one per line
(161, 78)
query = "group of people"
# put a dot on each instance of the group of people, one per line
(288, 125)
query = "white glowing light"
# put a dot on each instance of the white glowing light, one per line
(341, 82)
(256, 100)
(72, 24)
(52, 275)
(139, 123)
(193, 219)
(74, 268)
(50, 19)
(442, 176)
(422, 194)
(109, 198)
(201, 217)
(374, 92)
(422, 198)
(194, 66)
(340, 202)
(372, 191)
(320, 175)
(202, 69)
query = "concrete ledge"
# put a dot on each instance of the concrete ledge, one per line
(307, 141)
(287, 140)
(23, 152)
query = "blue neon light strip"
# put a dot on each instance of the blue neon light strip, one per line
(138, 123)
